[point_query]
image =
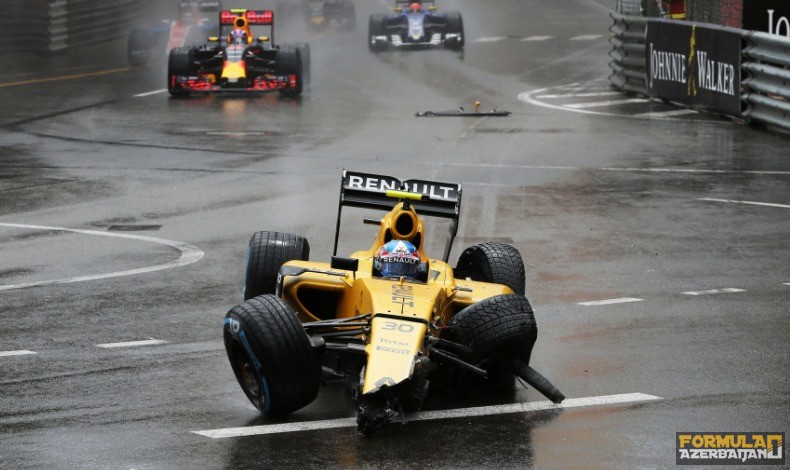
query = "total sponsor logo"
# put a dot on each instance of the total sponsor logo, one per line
(744, 448)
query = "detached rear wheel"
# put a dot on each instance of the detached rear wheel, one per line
(493, 262)
(271, 355)
(268, 251)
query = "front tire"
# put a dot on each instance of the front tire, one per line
(455, 24)
(499, 330)
(271, 355)
(289, 62)
(376, 28)
(179, 63)
(266, 252)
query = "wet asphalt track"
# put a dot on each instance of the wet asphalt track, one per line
(673, 214)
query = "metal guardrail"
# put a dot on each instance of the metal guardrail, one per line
(628, 53)
(55, 25)
(765, 69)
(766, 86)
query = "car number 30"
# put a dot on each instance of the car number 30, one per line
(400, 327)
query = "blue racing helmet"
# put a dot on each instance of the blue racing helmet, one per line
(398, 258)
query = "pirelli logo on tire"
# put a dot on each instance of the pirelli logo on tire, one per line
(729, 448)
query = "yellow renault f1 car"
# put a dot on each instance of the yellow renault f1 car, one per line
(388, 333)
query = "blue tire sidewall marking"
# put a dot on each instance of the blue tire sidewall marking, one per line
(258, 366)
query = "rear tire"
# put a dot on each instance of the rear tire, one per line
(493, 262)
(289, 62)
(271, 355)
(268, 251)
(179, 63)
(304, 53)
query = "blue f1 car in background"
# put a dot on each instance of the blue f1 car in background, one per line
(416, 24)
(196, 21)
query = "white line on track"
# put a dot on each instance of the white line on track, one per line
(623, 300)
(431, 415)
(586, 37)
(666, 114)
(189, 254)
(580, 95)
(491, 39)
(787, 283)
(600, 104)
(21, 352)
(728, 290)
(536, 38)
(751, 203)
(155, 92)
(132, 344)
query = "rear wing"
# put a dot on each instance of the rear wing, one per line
(409, 2)
(253, 17)
(370, 191)
(202, 6)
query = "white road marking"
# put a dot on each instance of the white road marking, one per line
(155, 92)
(623, 300)
(21, 352)
(536, 38)
(132, 344)
(189, 254)
(580, 95)
(491, 39)
(586, 37)
(599, 104)
(431, 415)
(728, 290)
(787, 283)
(752, 203)
(666, 114)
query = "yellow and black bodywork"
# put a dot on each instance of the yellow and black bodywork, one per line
(384, 333)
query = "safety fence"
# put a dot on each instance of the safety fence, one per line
(733, 72)
(55, 25)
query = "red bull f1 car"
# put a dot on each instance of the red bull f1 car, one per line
(416, 24)
(239, 60)
(196, 21)
(391, 320)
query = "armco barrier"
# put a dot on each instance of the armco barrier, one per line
(764, 68)
(628, 53)
(55, 25)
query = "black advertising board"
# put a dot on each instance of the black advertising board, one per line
(695, 64)
(769, 16)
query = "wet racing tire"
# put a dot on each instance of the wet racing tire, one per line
(499, 330)
(304, 53)
(289, 62)
(179, 63)
(271, 355)
(266, 252)
(376, 28)
(493, 262)
(455, 24)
